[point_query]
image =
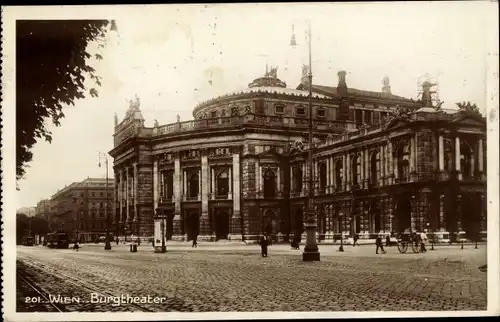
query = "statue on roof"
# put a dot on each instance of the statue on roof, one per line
(305, 70)
(274, 72)
(133, 106)
(156, 124)
(178, 118)
(468, 107)
(385, 81)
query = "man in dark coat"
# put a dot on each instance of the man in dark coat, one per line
(378, 243)
(264, 242)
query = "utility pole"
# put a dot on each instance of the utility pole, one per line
(107, 245)
(311, 252)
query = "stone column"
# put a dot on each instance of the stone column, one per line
(457, 158)
(366, 164)
(480, 157)
(136, 197)
(327, 188)
(229, 183)
(155, 185)
(291, 181)
(344, 173)
(472, 164)
(333, 175)
(257, 182)
(278, 181)
(205, 184)
(178, 199)
(261, 180)
(212, 182)
(305, 187)
(184, 185)
(199, 185)
(120, 195)
(382, 165)
(441, 153)
(390, 159)
(348, 171)
(412, 159)
(127, 195)
(235, 232)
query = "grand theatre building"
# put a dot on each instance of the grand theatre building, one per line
(382, 164)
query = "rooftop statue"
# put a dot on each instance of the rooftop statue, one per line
(305, 70)
(178, 118)
(274, 72)
(156, 123)
(385, 81)
(468, 107)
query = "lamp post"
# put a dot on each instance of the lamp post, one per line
(107, 244)
(311, 252)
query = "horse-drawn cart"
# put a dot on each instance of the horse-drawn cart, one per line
(406, 240)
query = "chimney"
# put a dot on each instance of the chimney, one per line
(342, 85)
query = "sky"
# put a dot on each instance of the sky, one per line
(166, 55)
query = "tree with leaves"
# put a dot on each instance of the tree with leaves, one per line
(52, 63)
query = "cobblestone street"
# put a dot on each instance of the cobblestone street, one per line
(236, 278)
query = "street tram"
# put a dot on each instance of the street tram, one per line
(28, 241)
(57, 240)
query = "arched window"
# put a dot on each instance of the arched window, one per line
(374, 168)
(356, 169)
(404, 162)
(169, 184)
(297, 179)
(322, 177)
(223, 184)
(465, 160)
(339, 173)
(269, 184)
(448, 155)
(193, 183)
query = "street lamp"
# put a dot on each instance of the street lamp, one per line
(311, 252)
(107, 245)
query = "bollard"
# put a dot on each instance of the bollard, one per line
(475, 247)
(341, 248)
(462, 247)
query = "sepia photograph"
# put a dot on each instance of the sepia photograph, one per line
(253, 160)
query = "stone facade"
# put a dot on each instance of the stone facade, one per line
(382, 164)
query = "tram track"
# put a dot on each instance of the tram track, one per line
(88, 286)
(41, 299)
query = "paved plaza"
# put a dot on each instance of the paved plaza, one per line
(228, 277)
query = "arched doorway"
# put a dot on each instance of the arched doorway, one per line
(374, 168)
(170, 225)
(471, 208)
(269, 184)
(221, 224)
(192, 224)
(322, 177)
(299, 222)
(402, 217)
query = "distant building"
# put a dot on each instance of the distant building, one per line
(43, 209)
(80, 209)
(382, 164)
(28, 211)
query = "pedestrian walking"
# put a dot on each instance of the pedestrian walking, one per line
(195, 241)
(355, 240)
(387, 241)
(423, 240)
(264, 242)
(378, 243)
(295, 242)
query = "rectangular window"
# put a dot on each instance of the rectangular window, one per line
(368, 117)
(259, 107)
(301, 111)
(214, 114)
(279, 109)
(321, 112)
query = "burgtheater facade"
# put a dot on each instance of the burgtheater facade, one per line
(382, 164)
